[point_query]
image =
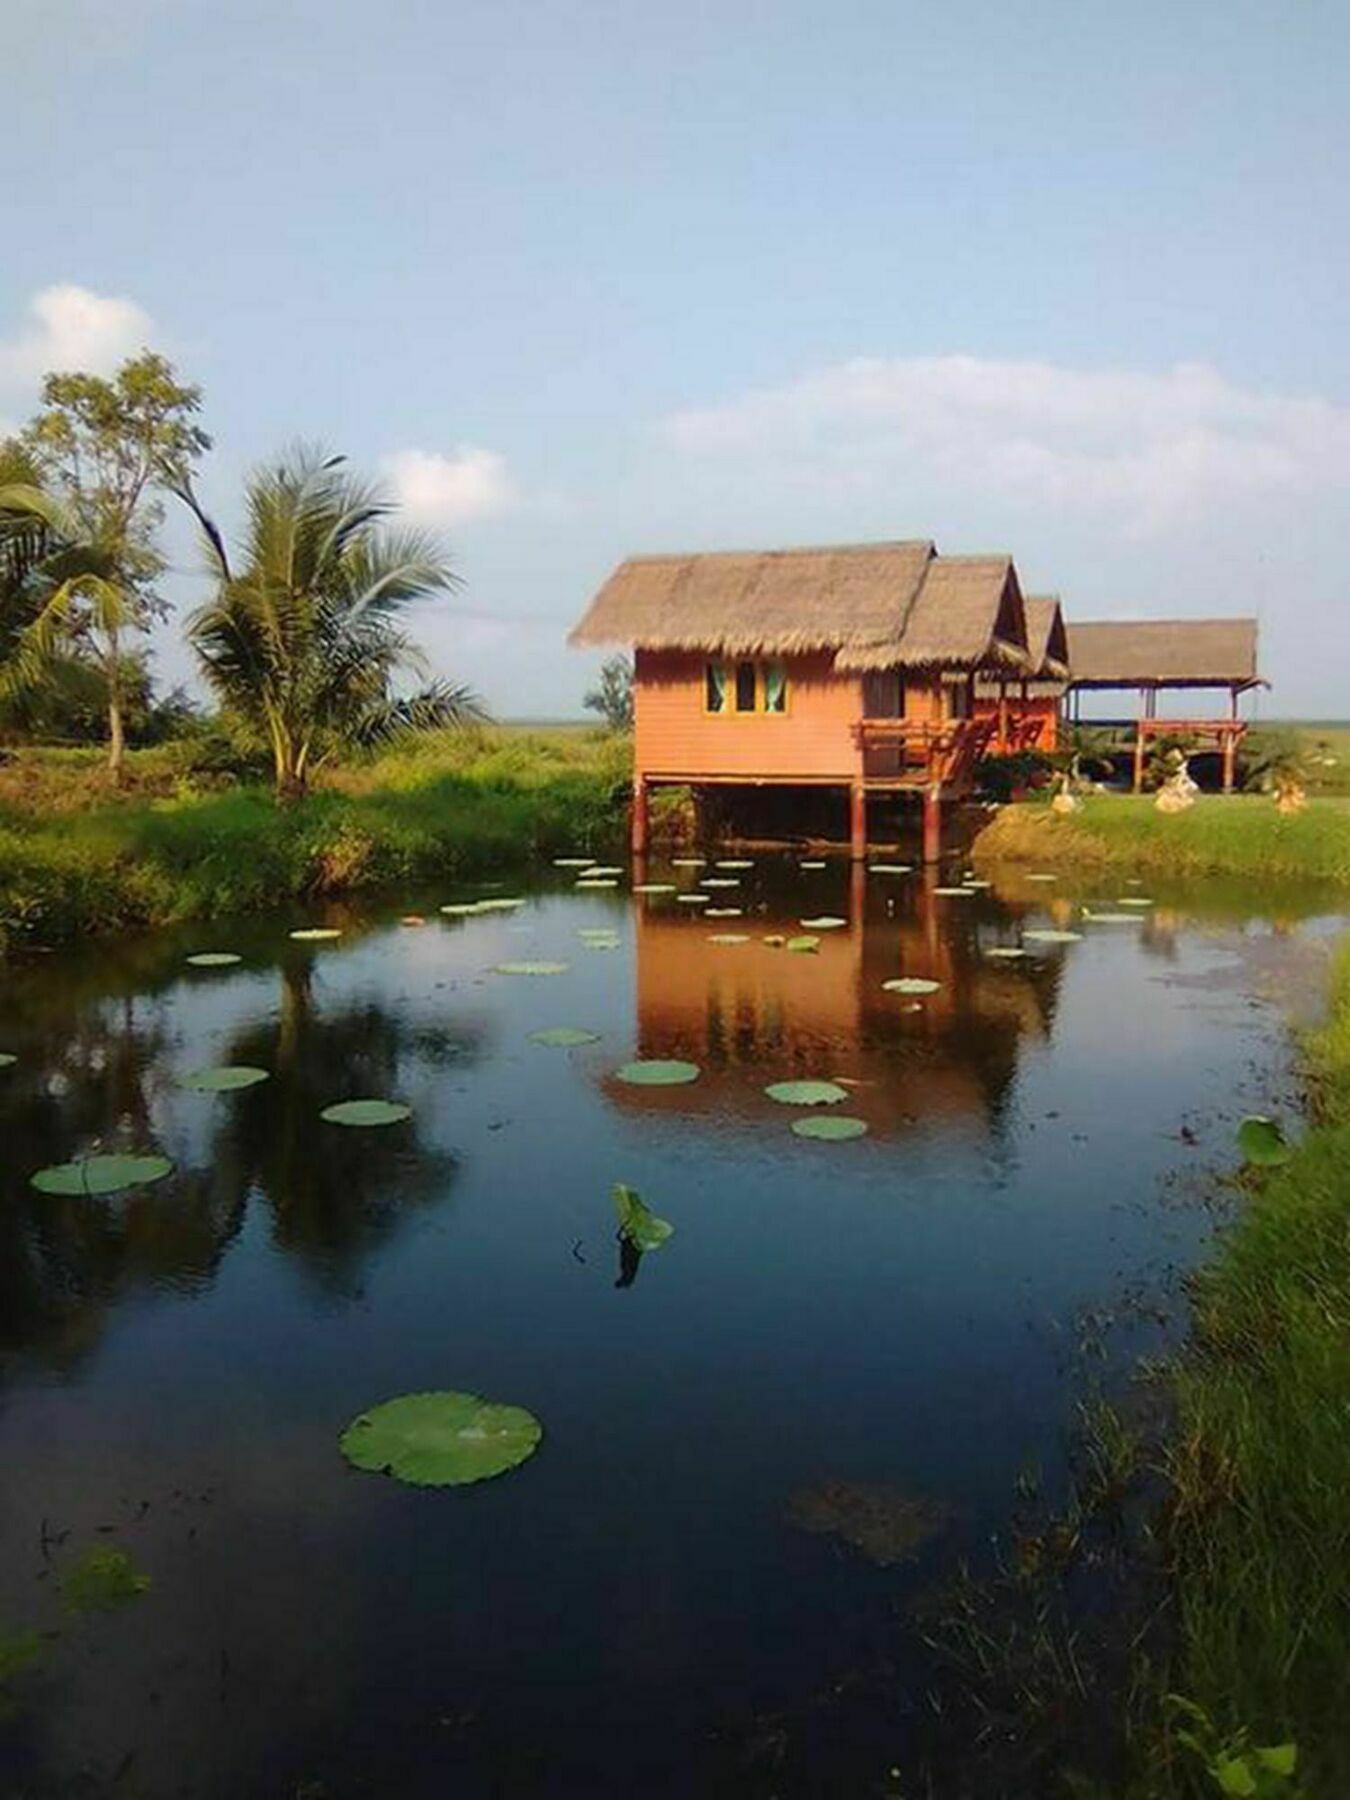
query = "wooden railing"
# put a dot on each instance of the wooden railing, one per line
(909, 752)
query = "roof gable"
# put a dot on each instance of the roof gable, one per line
(1164, 653)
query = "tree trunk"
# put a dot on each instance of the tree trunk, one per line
(116, 736)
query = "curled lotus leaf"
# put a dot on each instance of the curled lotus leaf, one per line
(637, 1222)
(101, 1175)
(775, 940)
(806, 1093)
(911, 984)
(226, 1079)
(658, 1072)
(214, 959)
(728, 937)
(830, 1128)
(316, 934)
(1262, 1143)
(564, 1037)
(826, 922)
(598, 881)
(530, 968)
(441, 1439)
(412, 919)
(366, 1112)
(804, 946)
(1050, 935)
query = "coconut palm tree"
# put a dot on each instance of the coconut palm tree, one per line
(45, 571)
(302, 638)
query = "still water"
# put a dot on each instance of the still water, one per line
(619, 1615)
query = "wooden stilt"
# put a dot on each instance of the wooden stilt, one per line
(1138, 758)
(638, 838)
(857, 819)
(1229, 759)
(932, 823)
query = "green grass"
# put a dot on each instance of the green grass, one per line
(1242, 835)
(442, 807)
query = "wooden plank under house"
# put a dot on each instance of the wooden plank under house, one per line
(1152, 656)
(852, 667)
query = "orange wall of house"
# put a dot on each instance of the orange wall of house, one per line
(1043, 708)
(674, 735)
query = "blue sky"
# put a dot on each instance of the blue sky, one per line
(1071, 280)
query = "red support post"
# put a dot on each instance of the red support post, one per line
(932, 823)
(1229, 759)
(638, 837)
(857, 819)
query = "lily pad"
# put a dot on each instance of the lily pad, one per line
(603, 881)
(804, 946)
(7, 1060)
(530, 968)
(564, 1037)
(1005, 952)
(442, 1439)
(1049, 935)
(316, 934)
(656, 1072)
(460, 909)
(977, 882)
(101, 1175)
(214, 959)
(597, 871)
(890, 868)
(952, 892)
(775, 940)
(688, 862)
(1133, 900)
(653, 887)
(911, 984)
(412, 919)
(720, 881)
(728, 937)
(814, 863)
(826, 922)
(1112, 918)
(637, 1222)
(223, 1080)
(103, 1580)
(366, 1112)
(692, 899)
(725, 912)
(501, 903)
(831, 1128)
(887, 1525)
(573, 862)
(734, 862)
(806, 1093)
(1041, 875)
(1262, 1143)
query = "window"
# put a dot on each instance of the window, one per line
(745, 687)
(715, 687)
(775, 688)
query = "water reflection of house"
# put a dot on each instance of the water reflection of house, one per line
(752, 1013)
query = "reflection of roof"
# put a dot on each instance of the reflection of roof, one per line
(1164, 653)
(876, 605)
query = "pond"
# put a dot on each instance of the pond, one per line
(762, 1441)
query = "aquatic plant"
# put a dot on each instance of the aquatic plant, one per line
(1262, 1143)
(442, 1438)
(225, 1080)
(830, 1128)
(366, 1112)
(642, 1228)
(103, 1580)
(806, 1093)
(101, 1175)
(655, 1072)
(564, 1037)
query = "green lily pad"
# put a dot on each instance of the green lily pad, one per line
(953, 891)
(688, 862)
(728, 937)
(604, 881)
(1112, 918)
(103, 1580)
(830, 1128)
(1262, 1143)
(1049, 935)
(573, 862)
(804, 946)
(890, 868)
(637, 1222)
(734, 862)
(977, 883)
(1133, 900)
(654, 887)
(1041, 876)
(911, 984)
(720, 881)
(814, 863)
(500, 903)
(316, 934)
(214, 959)
(564, 1037)
(598, 871)
(775, 940)
(443, 1439)
(530, 968)
(223, 1080)
(692, 899)
(460, 909)
(725, 912)
(7, 1061)
(366, 1112)
(1005, 952)
(826, 922)
(656, 1072)
(101, 1175)
(806, 1093)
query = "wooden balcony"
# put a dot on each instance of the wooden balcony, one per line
(901, 753)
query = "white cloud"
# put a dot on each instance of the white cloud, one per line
(69, 327)
(1144, 449)
(434, 490)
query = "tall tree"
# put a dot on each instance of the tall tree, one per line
(302, 639)
(612, 696)
(37, 562)
(104, 449)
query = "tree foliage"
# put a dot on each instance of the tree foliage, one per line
(612, 696)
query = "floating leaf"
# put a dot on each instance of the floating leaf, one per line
(564, 1037)
(316, 934)
(720, 881)
(1262, 1143)
(890, 869)
(911, 984)
(806, 1093)
(655, 1072)
(654, 887)
(805, 946)
(637, 1222)
(223, 1080)
(953, 891)
(366, 1112)
(692, 899)
(886, 1524)
(460, 909)
(734, 862)
(214, 959)
(688, 862)
(813, 864)
(1042, 877)
(605, 881)
(101, 1175)
(103, 1580)
(530, 968)
(775, 940)
(826, 922)
(977, 883)
(1112, 918)
(443, 1439)
(727, 937)
(833, 1128)
(1006, 952)
(1048, 935)
(7, 1061)
(573, 862)
(724, 912)
(1133, 900)
(501, 903)
(600, 870)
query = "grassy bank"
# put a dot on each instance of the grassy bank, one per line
(437, 808)
(1242, 835)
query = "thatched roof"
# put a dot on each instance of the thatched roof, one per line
(1047, 640)
(875, 605)
(1164, 653)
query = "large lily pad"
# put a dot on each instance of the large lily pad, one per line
(886, 1524)
(103, 1580)
(830, 1128)
(226, 1079)
(725, 912)
(826, 922)
(1048, 934)
(806, 1093)
(637, 1222)
(804, 946)
(316, 934)
(441, 1439)
(564, 1037)
(101, 1175)
(366, 1112)
(911, 984)
(501, 903)
(1133, 900)
(214, 959)
(658, 1072)
(530, 968)
(1262, 1143)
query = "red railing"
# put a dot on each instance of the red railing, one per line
(908, 751)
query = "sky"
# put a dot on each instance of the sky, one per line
(579, 280)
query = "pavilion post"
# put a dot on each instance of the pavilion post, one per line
(638, 834)
(857, 816)
(1002, 718)
(932, 823)
(1139, 745)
